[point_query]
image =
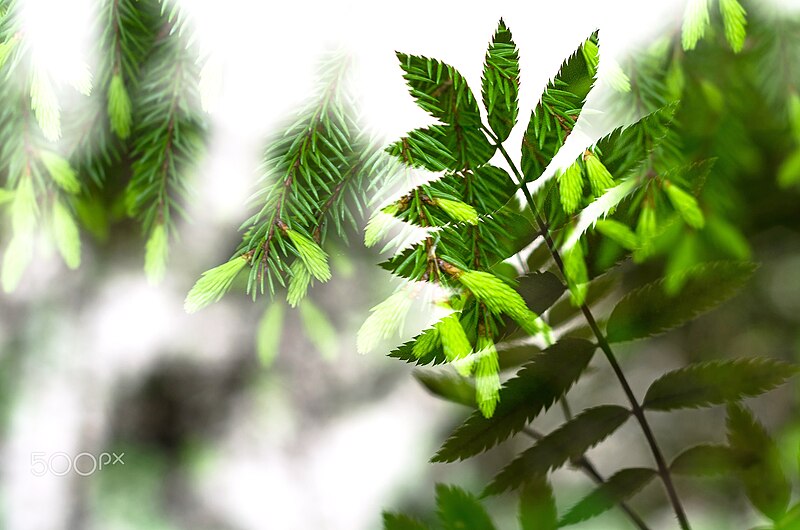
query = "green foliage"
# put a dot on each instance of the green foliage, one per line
(534, 389)
(396, 521)
(619, 487)
(704, 460)
(458, 509)
(537, 507)
(213, 285)
(500, 83)
(571, 440)
(649, 310)
(716, 382)
(758, 461)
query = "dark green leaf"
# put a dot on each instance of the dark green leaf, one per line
(398, 521)
(513, 356)
(758, 463)
(569, 441)
(500, 83)
(448, 385)
(440, 90)
(649, 311)
(425, 148)
(620, 487)
(460, 510)
(537, 507)
(540, 290)
(599, 288)
(556, 113)
(704, 460)
(534, 389)
(715, 382)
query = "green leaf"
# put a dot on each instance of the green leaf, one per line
(534, 389)
(458, 211)
(440, 90)
(454, 340)
(65, 232)
(448, 385)
(715, 382)
(319, 329)
(60, 171)
(734, 18)
(460, 510)
(570, 187)
(427, 148)
(537, 507)
(268, 334)
(704, 460)
(398, 521)
(758, 460)
(499, 297)
(300, 279)
(213, 284)
(619, 233)
(576, 273)
(599, 178)
(500, 83)
(540, 290)
(686, 205)
(156, 254)
(314, 258)
(649, 311)
(569, 441)
(119, 107)
(616, 489)
(487, 378)
(695, 23)
(555, 115)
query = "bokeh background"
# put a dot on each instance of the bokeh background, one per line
(98, 360)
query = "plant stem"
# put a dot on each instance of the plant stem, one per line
(637, 410)
(585, 465)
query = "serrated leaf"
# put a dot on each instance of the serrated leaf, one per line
(555, 115)
(500, 83)
(448, 385)
(715, 382)
(570, 440)
(460, 510)
(758, 460)
(703, 460)
(534, 389)
(616, 489)
(537, 506)
(398, 521)
(540, 290)
(426, 147)
(649, 311)
(440, 90)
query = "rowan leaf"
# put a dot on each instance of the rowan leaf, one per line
(616, 489)
(704, 460)
(537, 507)
(534, 389)
(649, 311)
(447, 385)
(459, 510)
(759, 464)
(398, 521)
(714, 382)
(500, 83)
(571, 440)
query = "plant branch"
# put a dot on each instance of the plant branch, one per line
(585, 465)
(636, 409)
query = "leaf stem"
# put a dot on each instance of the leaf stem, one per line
(586, 465)
(636, 409)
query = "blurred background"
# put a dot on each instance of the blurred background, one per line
(99, 361)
